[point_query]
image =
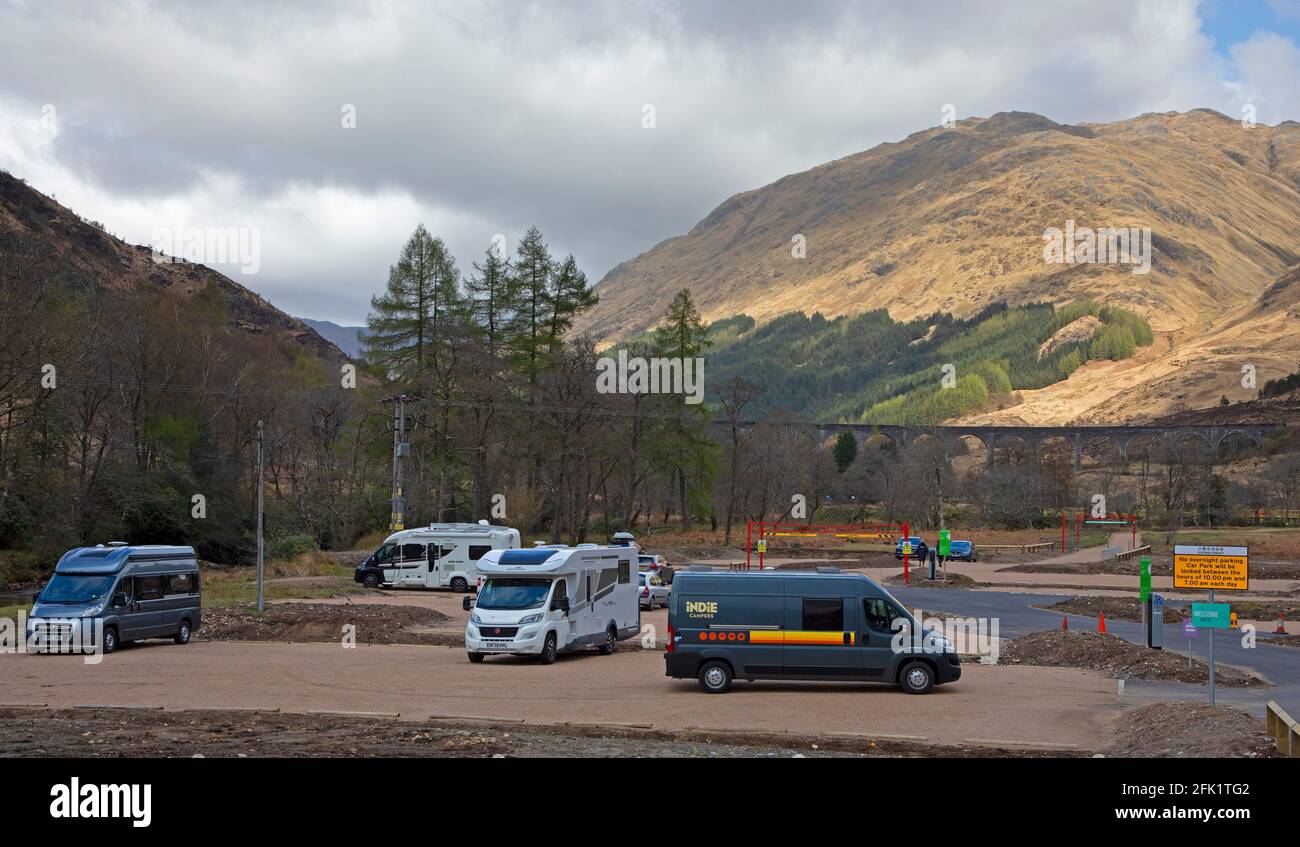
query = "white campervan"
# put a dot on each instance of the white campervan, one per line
(441, 555)
(547, 599)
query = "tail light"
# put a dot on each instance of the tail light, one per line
(671, 641)
(645, 592)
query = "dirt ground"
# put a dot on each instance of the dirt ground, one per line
(920, 578)
(1115, 657)
(1036, 708)
(1160, 566)
(373, 623)
(1189, 730)
(105, 733)
(1114, 608)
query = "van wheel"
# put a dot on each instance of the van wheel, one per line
(109, 643)
(370, 580)
(182, 635)
(715, 677)
(916, 678)
(547, 655)
(474, 657)
(459, 585)
(611, 639)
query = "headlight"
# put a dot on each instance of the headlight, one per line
(530, 619)
(93, 610)
(474, 619)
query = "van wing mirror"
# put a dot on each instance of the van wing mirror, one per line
(467, 603)
(119, 599)
(564, 605)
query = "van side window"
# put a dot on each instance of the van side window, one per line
(180, 583)
(148, 587)
(476, 551)
(412, 552)
(824, 614)
(624, 572)
(880, 614)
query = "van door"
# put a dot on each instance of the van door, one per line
(820, 628)
(131, 618)
(451, 561)
(415, 567)
(150, 606)
(384, 560)
(587, 625)
(875, 637)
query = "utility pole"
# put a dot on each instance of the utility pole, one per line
(397, 516)
(261, 541)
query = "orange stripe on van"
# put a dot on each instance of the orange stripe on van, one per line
(769, 636)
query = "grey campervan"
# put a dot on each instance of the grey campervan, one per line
(147, 591)
(824, 625)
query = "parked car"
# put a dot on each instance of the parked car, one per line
(919, 549)
(963, 550)
(654, 563)
(653, 591)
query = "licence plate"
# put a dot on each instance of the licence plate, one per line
(496, 643)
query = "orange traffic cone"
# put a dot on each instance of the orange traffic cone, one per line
(1281, 625)
(1101, 622)
(1065, 622)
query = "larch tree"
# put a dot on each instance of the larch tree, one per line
(406, 321)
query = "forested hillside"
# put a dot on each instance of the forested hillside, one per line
(870, 368)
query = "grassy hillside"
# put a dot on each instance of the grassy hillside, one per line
(874, 369)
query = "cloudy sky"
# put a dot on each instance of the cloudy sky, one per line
(482, 118)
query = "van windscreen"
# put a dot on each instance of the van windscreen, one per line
(76, 588)
(513, 593)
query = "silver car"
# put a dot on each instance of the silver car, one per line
(653, 590)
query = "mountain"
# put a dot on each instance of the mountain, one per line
(951, 221)
(98, 259)
(346, 338)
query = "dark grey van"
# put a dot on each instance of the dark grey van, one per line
(823, 625)
(146, 591)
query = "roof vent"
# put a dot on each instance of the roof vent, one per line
(117, 544)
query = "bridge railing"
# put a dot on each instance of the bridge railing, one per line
(1020, 548)
(1144, 550)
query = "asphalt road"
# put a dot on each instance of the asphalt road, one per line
(1279, 665)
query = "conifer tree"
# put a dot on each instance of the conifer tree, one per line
(421, 303)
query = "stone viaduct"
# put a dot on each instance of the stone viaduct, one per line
(1034, 437)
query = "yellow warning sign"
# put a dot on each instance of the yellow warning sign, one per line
(1215, 568)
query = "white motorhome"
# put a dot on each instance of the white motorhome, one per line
(554, 598)
(440, 555)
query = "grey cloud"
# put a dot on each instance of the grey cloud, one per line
(530, 113)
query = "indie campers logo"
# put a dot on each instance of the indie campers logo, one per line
(1085, 246)
(638, 375)
(74, 800)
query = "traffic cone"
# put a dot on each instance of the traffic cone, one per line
(1101, 622)
(1065, 622)
(1281, 625)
